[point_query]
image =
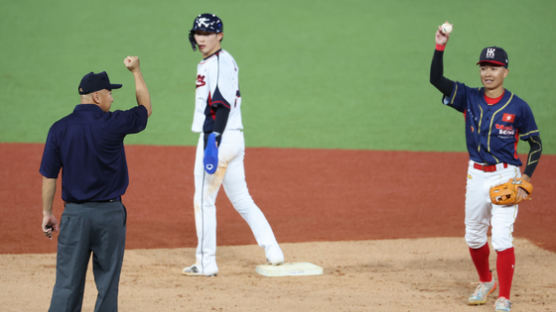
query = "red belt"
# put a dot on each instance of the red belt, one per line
(487, 168)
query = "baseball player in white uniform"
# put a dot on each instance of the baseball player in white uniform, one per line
(217, 111)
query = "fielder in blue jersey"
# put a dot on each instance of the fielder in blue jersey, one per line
(495, 120)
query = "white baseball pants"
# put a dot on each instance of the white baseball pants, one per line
(231, 174)
(480, 212)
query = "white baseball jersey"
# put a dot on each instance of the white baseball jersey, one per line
(218, 70)
(217, 84)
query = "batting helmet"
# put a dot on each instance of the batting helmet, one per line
(205, 22)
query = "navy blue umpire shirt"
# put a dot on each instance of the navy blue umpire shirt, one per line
(88, 145)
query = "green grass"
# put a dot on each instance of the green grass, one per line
(318, 74)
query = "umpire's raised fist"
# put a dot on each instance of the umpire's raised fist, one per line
(131, 62)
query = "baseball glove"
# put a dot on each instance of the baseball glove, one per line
(506, 193)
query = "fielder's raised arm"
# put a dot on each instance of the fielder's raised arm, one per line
(437, 78)
(141, 91)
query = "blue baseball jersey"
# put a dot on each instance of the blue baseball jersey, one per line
(493, 131)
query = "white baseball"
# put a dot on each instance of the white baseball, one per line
(446, 28)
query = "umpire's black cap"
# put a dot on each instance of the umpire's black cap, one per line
(495, 56)
(92, 82)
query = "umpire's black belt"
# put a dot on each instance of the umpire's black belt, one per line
(117, 199)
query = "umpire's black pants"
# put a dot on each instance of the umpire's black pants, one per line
(94, 227)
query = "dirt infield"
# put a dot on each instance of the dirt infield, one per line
(431, 274)
(330, 206)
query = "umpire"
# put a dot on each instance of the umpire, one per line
(89, 145)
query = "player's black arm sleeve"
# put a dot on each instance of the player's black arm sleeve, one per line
(437, 79)
(221, 107)
(535, 151)
(221, 119)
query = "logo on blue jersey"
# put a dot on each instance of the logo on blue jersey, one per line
(508, 117)
(505, 130)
